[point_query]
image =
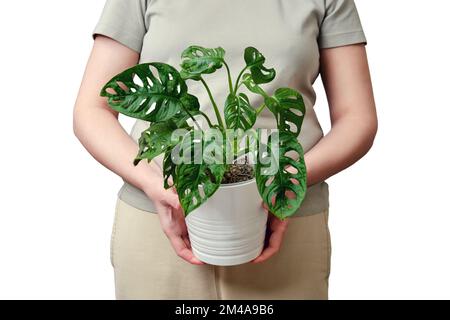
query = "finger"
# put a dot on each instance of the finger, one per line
(187, 242)
(275, 240)
(183, 251)
(277, 224)
(180, 222)
(267, 253)
(173, 189)
(172, 200)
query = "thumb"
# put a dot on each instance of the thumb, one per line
(173, 201)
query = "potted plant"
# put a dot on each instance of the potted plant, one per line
(219, 170)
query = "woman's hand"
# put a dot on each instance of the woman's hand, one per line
(276, 229)
(173, 222)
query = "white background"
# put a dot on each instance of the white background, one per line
(389, 216)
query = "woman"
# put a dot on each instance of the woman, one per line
(150, 249)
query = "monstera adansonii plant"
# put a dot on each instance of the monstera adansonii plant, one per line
(157, 92)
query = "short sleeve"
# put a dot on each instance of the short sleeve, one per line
(341, 25)
(123, 21)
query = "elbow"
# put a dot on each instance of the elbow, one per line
(371, 130)
(76, 122)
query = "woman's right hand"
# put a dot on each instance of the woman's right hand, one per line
(173, 222)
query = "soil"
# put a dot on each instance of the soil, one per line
(238, 172)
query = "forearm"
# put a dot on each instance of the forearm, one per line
(105, 139)
(97, 126)
(350, 138)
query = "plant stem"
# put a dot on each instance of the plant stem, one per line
(216, 109)
(238, 79)
(193, 119)
(207, 119)
(243, 152)
(260, 109)
(230, 81)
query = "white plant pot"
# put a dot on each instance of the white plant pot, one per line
(230, 227)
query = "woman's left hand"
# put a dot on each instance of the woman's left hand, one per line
(276, 229)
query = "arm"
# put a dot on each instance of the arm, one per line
(97, 126)
(98, 129)
(346, 78)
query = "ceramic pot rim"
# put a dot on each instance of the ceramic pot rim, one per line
(237, 184)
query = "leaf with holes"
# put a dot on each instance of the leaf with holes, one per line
(197, 60)
(155, 141)
(255, 62)
(248, 81)
(196, 182)
(239, 114)
(290, 110)
(282, 191)
(151, 92)
(170, 160)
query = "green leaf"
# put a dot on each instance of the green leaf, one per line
(255, 62)
(150, 92)
(191, 108)
(282, 191)
(178, 142)
(155, 140)
(197, 60)
(286, 104)
(188, 76)
(248, 81)
(190, 102)
(169, 169)
(239, 114)
(290, 110)
(196, 182)
(181, 119)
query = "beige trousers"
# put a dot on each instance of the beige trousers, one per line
(146, 267)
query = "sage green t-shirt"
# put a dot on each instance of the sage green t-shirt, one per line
(290, 33)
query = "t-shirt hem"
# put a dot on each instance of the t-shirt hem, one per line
(315, 202)
(342, 39)
(128, 40)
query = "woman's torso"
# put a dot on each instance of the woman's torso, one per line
(285, 31)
